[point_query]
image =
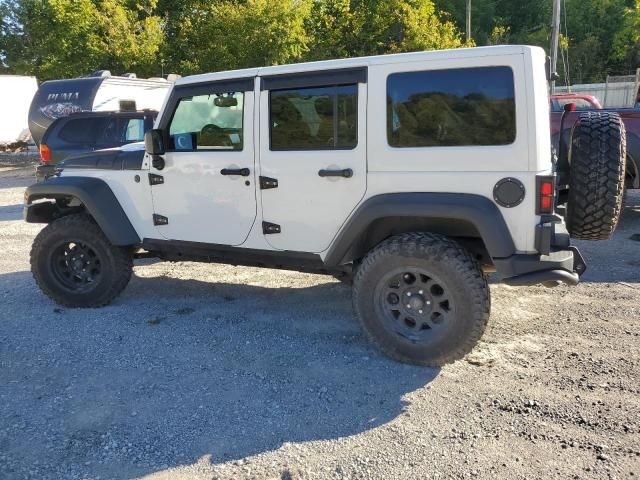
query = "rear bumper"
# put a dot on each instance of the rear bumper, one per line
(558, 261)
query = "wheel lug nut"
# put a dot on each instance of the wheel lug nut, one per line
(408, 294)
(420, 292)
(419, 311)
(428, 302)
(408, 306)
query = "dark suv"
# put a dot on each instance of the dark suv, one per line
(84, 132)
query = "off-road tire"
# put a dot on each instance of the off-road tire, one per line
(449, 264)
(115, 263)
(596, 184)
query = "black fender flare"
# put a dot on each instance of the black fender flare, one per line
(476, 210)
(96, 196)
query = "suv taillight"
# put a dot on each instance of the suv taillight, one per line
(45, 153)
(545, 194)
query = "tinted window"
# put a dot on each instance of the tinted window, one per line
(208, 122)
(112, 132)
(466, 106)
(322, 118)
(83, 131)
(134, 130)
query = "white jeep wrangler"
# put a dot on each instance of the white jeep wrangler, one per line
(409, 175)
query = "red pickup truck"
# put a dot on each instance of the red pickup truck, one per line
(630, 117)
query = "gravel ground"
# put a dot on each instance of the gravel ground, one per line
(206, 371)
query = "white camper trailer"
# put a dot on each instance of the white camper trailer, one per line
(16, 93)
(99, 92)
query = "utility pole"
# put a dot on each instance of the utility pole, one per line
(555, 37)
(468, 20)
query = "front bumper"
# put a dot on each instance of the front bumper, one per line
(44, 171)
(557, 261)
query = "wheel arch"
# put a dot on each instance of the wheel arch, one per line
(473, 220)
(68, 195)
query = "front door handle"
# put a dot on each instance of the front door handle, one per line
(157, 162)
(346, 173)
(244, 172)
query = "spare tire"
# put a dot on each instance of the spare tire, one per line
(597, 156)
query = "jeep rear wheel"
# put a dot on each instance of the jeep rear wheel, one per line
(422, 299)
(75, 265)
(597, 174)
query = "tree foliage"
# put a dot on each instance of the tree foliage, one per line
(348, 28)
(228, 34)
(601, 36)
(62, 38)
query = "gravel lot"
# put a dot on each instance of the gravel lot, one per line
(207, 371)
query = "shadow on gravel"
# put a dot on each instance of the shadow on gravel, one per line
(10, 212)
(617, 259)
(176, 370)
(16, 179)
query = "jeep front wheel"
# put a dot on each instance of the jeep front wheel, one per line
(422, 299)
(75, 265)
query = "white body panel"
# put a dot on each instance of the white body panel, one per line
(16, 94)
(306, 205)
(202, 206)
(134, 197)
(148, 94)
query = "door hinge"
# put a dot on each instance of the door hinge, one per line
(267, 183)
(160, 219)
(155, 179)
(269, 228)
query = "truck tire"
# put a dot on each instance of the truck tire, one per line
(596, 184)
(75, 265)
(422, 299)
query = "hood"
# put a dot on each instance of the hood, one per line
(127, 157)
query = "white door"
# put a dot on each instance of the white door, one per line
(205, 192)
(313, 142)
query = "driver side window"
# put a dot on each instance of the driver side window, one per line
(208, 122)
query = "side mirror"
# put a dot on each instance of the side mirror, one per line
(153, 143)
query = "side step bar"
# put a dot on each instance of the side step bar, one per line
(549, 278)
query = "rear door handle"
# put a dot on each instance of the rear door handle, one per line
(244, 172)
(346, 173)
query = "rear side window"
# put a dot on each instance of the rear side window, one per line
(455, 107)
(83, 131)
(322, 118)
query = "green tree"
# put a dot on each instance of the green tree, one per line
(229, 34)
(626, 44)
(348, 28)
(63, 38)
(129, 38)
(599, 34)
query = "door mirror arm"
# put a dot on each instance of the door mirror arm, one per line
(157, 162)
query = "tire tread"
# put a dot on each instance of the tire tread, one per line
(433, 246)
(123, 261)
